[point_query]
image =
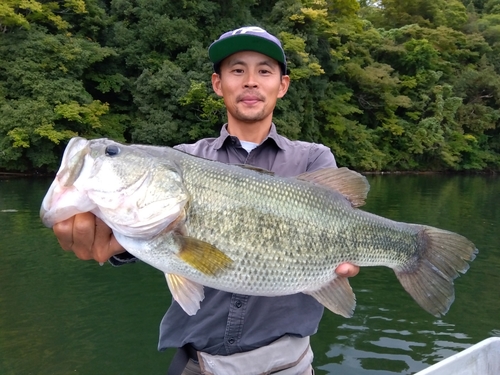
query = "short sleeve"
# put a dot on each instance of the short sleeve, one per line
(320, 157)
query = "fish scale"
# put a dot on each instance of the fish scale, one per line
(244, 230)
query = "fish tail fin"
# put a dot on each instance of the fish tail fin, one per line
(429, 275)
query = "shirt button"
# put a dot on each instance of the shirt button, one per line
(238, 304)
(230, 341)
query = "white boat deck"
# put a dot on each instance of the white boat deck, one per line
(482, 358)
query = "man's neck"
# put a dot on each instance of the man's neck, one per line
(250, 132)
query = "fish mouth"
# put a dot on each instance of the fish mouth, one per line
(72, 164)
(73, 161)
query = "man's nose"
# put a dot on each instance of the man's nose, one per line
(250, 81)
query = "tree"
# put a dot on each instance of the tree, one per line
(43, 100)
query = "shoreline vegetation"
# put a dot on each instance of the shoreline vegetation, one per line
(391, 86)
(7, 175)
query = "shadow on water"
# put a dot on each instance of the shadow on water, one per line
(59, 315)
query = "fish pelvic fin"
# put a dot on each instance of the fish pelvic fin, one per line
(187, 293)
(429, 276)
(201, 255)
(353, 185)
(337, 296)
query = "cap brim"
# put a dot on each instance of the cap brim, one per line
(221, 49)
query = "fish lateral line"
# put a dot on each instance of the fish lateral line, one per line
(255, 169)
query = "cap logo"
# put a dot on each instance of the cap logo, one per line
(249, 29)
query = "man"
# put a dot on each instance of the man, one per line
(232, 333)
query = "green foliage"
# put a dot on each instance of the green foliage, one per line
(426, 13)
(388, 85)
(43, 101)
(22, 13)
(207, 107)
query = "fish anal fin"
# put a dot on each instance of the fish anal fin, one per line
(201, 255)
(353, 185)
(337, 296)
(429, 277)
(186, 292)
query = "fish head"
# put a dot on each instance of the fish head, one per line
(133, 192)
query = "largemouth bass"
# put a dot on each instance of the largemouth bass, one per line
(243, 230)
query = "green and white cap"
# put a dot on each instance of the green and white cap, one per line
(250, 38)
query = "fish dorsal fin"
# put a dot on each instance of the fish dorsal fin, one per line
(187, 293)
(336, 296)
(201, 255)
(353, 185)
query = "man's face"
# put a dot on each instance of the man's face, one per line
(250, 84)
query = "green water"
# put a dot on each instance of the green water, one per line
(60, 315)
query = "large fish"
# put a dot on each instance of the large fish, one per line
(244, 230)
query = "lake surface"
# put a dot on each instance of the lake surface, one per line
(60, 315)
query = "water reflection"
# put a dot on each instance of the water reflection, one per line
(390, 333)
(59, 315)
(377, 343)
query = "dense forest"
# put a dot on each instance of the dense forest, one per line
(387, 85)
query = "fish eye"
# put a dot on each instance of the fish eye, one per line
(112, 150)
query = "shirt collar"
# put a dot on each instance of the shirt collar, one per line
(273, 135)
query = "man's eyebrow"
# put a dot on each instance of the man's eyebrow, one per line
(232, 62)
(268, 62)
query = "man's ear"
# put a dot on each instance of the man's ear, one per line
(285, 83)
(216, 84)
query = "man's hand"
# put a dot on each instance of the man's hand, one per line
(347, 270)
(88, 237)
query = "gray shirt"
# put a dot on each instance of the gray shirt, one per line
(229, 323)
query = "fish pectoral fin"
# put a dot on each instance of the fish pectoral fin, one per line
(187, 293)
(337, 296)
(201, 255)
(352, 185)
